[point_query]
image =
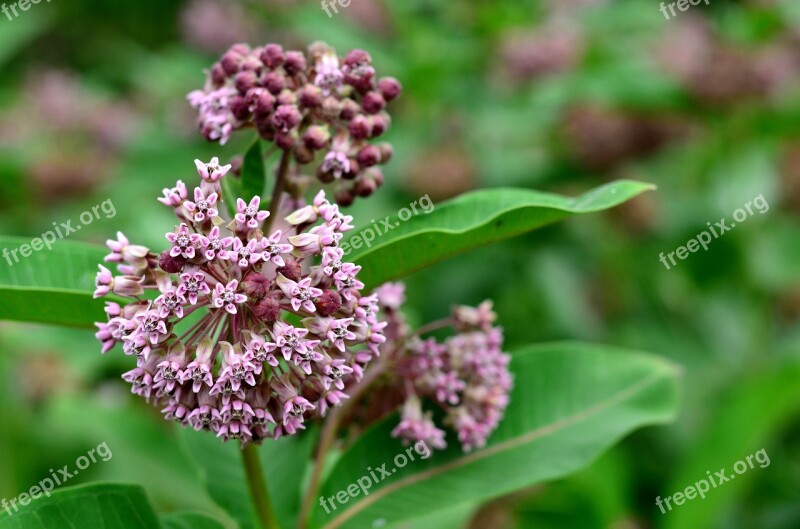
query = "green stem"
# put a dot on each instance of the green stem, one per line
(258, 488)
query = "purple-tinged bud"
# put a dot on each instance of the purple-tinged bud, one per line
(345, 197)
(375, 174)
(360, 128)
(272, 56)
(231, 62)
(286, 140)
(267, 310)
(357, 58)
(390, 88)
(240, 107)
(246, 80)
(262, 102)
(317, 137)
(373, 102)
(275, 82)
(169, 264)
(287, 97)
(369, 156)
(256, 285)
(252, 64)
(380, 123)
(295, 62)
(303, 154)
(331, 107)
(329, 303)
(236, 165)
(326, 177)
(350, 109)
(386, 152)
(352, 171)
(286, 117)
(292, 270)
(218, 75)
(241, 48)
(365, 187)
(310, 96)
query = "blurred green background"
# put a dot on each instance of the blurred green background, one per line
(558, 95)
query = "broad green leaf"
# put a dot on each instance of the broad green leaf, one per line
(189, 520)
(767, 403)
(231, 190)
(468, 222)
(570, 403)
(51, 285)
(253, 175)
(106, 506)
(284, 463)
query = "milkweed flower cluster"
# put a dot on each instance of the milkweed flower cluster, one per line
(466, 375)
(323, 109)
(253, 328)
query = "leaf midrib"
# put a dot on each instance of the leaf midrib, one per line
(504, 446)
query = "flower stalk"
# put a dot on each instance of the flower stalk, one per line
(258, 488)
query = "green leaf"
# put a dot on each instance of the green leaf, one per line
(284, 463)
(471, 221)
(107, 506)
(253, 171)
(50, 286)
(570, 403)
(231, 190)
(189, 520)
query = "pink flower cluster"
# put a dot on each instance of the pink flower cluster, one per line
(253, 328)
(466, 376)
(316, 105)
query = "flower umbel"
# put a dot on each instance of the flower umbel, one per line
(245, 335)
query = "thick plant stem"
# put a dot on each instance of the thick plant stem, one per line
(258, 488)
(329, 434)
(275, 202)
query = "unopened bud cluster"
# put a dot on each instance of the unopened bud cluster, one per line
(325, 110)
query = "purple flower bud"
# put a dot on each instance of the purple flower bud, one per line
(287, 97)
(286, 140)
(261, 101)
(386, 152)
(360, 128)
(231, 62)
(292, 270)
(170, 264)
(331, 107)
(345, 197)
(390, 88)
(350, 109)
(365, 187)
(317, 137)
(329, 303)
(370, 155)
(218, 75)
(274, 82)
(380, 123)
(256, 285)
(310, 96)
(303, 155)
(240, 107)
(357, 58)
(295, 62)
(245, 81)
(272, 56)
(286, 117)
(373, 102)
(267, 310)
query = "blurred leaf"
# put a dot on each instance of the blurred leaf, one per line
(16, 36)
(253, 171)
(50, 286)
(740, 427)
(284, 463)
(231, 190)
(107, 506)
(474, 220)
(189, 521)
(570, 402)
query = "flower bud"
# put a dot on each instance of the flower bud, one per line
(272, 56)
(240, 107)
(170, 264)
(360, 128)
(303, 155)
(245, 80)
(373, 103)
(369, 156)
(267, 310)
(390, 88)
(310, 96)
(286, 140)
(261, 101)
(295, 62)
(331, 107)
(379, 124)
(287, 97)
(317, 137)
(292, 270)
(350, 109)
(328, 303)
(218, 75)
(274, 82)
(386, 152)
(256, 285)
(345, 197)
(357, 58)
(231, 62)
(286, 117)
(365, 187)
